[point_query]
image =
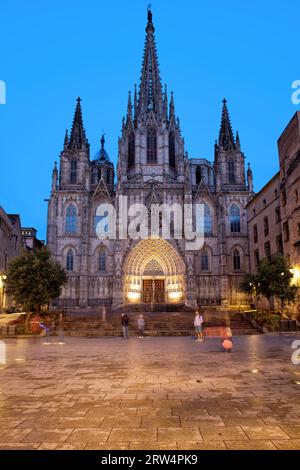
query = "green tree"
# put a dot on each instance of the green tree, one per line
(34, 280)
(274, 279)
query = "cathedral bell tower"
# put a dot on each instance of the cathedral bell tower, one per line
(75, 156)
(151, 147)
(229, 160)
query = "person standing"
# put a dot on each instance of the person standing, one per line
(141, 326)
(198, 324)
(61, 331)
(125, 323)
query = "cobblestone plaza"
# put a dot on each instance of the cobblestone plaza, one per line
(151, 393)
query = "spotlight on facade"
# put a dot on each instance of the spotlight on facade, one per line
(295, 271)
(175, 296)
(134, 296)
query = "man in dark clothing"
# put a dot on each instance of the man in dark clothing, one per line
(125, 323)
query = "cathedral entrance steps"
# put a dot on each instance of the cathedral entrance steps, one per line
(157, 324)
(153, 308)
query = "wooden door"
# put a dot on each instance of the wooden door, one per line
(147, 291)
(159, 291)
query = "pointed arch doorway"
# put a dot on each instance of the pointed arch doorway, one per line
(153, 288)
(154, 272)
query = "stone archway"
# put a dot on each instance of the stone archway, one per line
(154, 272)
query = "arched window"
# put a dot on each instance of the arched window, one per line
(235, 219)
(131, 150)
(198, 175)
(172, 150)
(231, 171)
(208, 221)
(70, 260)
(236, 260)
(71, 219)
(151, 146)
(101, 229)
(204, 260)
(102, 261)
(73, 173)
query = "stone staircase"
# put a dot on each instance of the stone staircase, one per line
(158, 323)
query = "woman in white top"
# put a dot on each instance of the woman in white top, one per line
(198, 323)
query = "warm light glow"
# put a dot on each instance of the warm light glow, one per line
(295, 271)
(2, 279)
(175, 296)
(133, 296)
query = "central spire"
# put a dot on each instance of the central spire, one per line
(150, 96)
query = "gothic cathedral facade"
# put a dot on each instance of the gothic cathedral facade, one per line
(153, 167)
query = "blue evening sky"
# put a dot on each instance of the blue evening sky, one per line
(53, 51)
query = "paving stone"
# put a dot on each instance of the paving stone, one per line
(19, 446)
(10, 423)
(15, 435)
(122, 422)
(292, 444)
(243, 421)
(107, 446)
(265, 432)
(40, 422)
(133, 434)
(179, 434)
(292, 430)
(153, 446)
(201, 422)
(226, 433)
(86, 423)
(202, 445)
(159, 422)
(152, 412)
(250, 445)
(79, 436)
(48, 435)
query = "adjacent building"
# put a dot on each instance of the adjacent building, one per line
(30, 240)
(13, 239)
(289, 160)
(274, 212)
(264, 223)
(11, 243)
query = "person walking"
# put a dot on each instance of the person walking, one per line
(61, 331)
(141, 326)
(198, 324)
(125, 323)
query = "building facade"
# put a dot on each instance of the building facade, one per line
(264, 223)
(11, 243)
(289, 160)
(153, 169)
(274, 212)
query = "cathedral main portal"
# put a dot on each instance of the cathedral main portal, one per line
(154, 272)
